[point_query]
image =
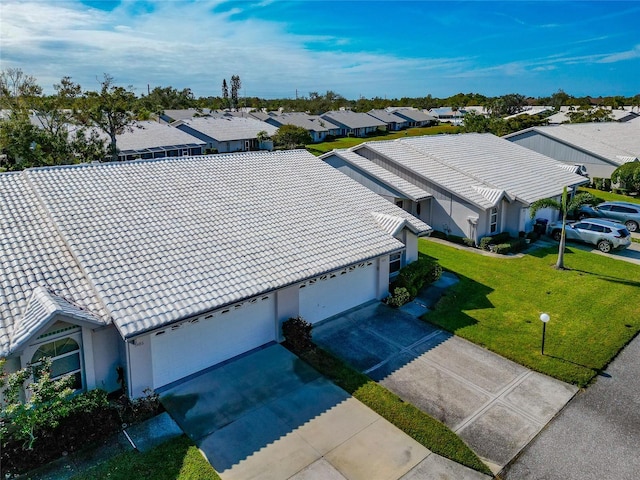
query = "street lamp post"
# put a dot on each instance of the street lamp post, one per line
(544, 317)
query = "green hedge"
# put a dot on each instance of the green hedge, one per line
(416, 275)
(493, 240)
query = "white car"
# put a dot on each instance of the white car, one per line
(604, 234)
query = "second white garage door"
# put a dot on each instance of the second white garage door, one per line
(195, 346)
(332, 294)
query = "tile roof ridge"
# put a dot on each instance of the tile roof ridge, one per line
(48, 214)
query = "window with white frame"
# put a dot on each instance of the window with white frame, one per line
(65, 359)
(493, 220)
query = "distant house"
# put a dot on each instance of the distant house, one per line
(163, 268)
(471, 185)
(318, 128)
(354, 124)
(449, 114)
(394, 122)
(226, 134)
(414, 117)
(150, 139)
(599, 147)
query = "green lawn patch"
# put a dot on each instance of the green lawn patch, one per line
(594, 307)
(610, 197)
(348, 142)
(175, 459)
(418, 425)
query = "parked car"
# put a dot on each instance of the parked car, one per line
(604, 234)
(626, 212)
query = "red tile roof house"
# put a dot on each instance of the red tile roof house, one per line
(166, 267)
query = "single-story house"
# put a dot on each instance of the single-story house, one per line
(394, 122)
(600, 147)
(317, 127)
(354, 124)
(162, 268)
(471, 185)
(414, 117)
(148, 139)
(226, 134)
(455, 116)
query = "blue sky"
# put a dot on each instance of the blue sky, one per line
(355, 48)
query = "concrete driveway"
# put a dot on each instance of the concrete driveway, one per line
(596, 436)
(268, 415)
(496, 406)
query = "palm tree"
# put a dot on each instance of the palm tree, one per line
(565, 206)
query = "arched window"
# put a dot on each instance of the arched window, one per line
(65, 359)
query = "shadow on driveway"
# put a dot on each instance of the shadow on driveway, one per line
(494, 404)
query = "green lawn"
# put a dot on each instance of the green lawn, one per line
(610, 197)
(594, 307)
(347, 142)
(423, 428)
(175, 459)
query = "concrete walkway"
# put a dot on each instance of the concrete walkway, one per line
(596, 436)
(268, 415)
(495, 405)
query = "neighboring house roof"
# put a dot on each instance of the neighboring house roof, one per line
(447, 112)
(534, 110)
(615, 142)
(406, 188)
(352, 119)
(185, 113)
(147, 135)
(148, 243)
(226, 129)
(414, 115)
(312, 123)
(481, 168)
(385, 116)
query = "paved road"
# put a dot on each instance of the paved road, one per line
(596, 436)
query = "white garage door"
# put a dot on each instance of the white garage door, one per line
(338, 292)
(195, 346)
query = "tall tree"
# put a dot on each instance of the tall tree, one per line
(235, 89)
(110, 110)
(291, 136)
(225, 93)
(565, 206)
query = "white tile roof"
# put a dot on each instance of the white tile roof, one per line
(149, 134)
(498, 163)
(309, 122)
(161, 240)
(478, 167)
(408, 189)
(617, 142)
(387, 117)
(226, 129)
(33, 254)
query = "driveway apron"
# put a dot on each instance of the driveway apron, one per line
(496, 406)
(269, 415)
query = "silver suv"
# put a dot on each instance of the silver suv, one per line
(604, 234)
(626, 212)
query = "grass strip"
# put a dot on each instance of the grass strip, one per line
(348, 142)
(423, 428)
(175, 459)
(610, 196)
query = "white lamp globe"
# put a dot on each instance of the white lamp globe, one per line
(545, 317)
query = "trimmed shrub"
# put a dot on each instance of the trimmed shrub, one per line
(297, 334)
(494, 239)
(400, 297)
(469, 242)
(502, 248)
(417, 274)
(518, 244)
(533, 236)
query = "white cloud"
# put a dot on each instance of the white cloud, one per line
(193, 47)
